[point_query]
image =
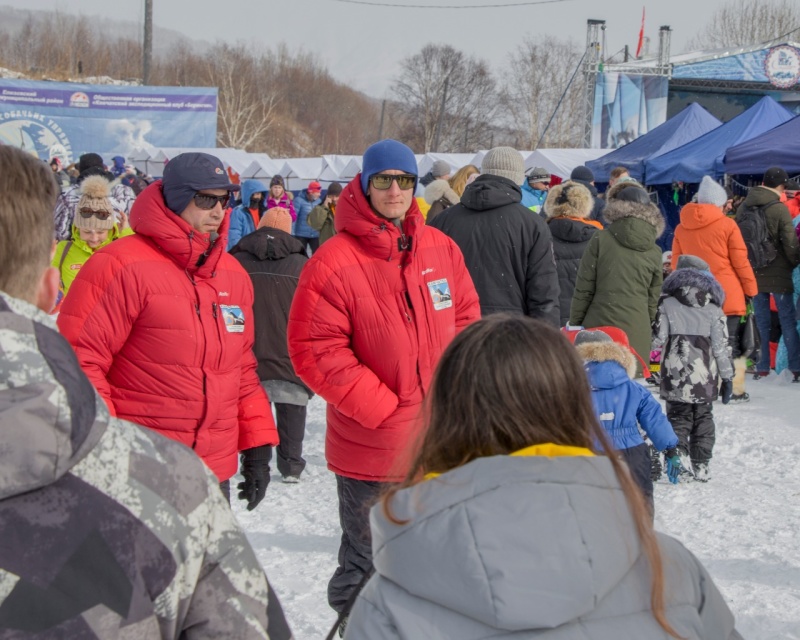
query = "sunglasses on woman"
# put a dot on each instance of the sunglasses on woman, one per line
(207, 201)
(88, 213)
(383, 181)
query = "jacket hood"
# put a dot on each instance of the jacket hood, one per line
(626, 215)
(440, 189)
(50, 415)
(693, 288)
(569, 199)
(698, 216)
(490, 192)
(569, 230)
(378, 236)
(151, 218)
(602, 352)
(532, 573)
(760, 197)
(249, 187)
(268, 243)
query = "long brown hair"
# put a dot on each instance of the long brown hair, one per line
(506, 383)
(459, 180)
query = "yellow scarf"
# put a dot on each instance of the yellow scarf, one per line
(547, 449)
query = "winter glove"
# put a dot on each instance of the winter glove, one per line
(726, 391)
(674, 468)
(255, 469)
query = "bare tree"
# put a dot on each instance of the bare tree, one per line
(744, 22)
(443, 92)
(538, 74)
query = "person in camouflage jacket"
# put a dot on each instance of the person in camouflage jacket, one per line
(109, 529)
(692, 329)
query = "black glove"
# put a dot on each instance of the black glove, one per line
(726, 391)
(255, 469)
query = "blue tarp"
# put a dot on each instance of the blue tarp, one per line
(703, 156)
(691, 123)
(775, 148)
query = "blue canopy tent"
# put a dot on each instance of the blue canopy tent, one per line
(775, 148)
(703, 156)
(691, 123)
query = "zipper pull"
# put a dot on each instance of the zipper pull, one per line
(197, 308)
(214, 308)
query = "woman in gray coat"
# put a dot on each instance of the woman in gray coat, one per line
(509, 525)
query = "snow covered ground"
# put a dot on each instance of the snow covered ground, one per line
(744, 525)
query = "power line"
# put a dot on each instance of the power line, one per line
(451, 6)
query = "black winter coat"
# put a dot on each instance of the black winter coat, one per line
(274, 260)
(507, 249)
(570, 238)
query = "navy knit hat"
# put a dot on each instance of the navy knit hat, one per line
(583, 173)
(188, 173)
(385, 156)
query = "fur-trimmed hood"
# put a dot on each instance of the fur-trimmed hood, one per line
(569, 200)
(619, 209)
(608, 352)
(693, 288)
(440, 189)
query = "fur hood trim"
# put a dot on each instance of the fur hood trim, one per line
(620, 209)
(440, 189)
(701, 280)
(608, 352)
(569, 200)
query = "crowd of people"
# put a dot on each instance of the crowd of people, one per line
(480, 338)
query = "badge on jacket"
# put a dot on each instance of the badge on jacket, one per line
(233, 317)
(440, 294)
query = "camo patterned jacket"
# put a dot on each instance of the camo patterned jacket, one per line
(109, 530)
(692, 329)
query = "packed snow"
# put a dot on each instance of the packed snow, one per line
(743, 525)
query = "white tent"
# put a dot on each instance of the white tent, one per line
(561, 162)
(333, 165)
(455, 160)
(262, 167)
(351, 169)
(300, 171)
(234, 159)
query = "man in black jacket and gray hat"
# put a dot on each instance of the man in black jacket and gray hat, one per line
(507, 249)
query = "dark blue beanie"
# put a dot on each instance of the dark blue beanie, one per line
(385, 156)
(188, 173)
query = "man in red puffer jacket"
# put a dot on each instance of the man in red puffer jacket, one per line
(374, 309)
(163, 326)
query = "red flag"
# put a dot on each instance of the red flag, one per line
(641, 37)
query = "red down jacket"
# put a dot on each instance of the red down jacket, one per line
(169, 345)
(367, 327)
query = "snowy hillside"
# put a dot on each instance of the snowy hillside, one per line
(743, 524)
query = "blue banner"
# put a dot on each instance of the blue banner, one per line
(67, 120)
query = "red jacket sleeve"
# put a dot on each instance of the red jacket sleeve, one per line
(97, 316)
(256, 424)
(319, 339)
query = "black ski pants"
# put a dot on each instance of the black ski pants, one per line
(291, 423)
(639, 463)
(694, 426)
(355, 550)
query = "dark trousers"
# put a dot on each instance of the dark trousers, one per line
(225, 487)
(694, 426)
(309, 243)
(788, 322)
(355, 550)
(639, 462)
(735, 329)
(291, 429)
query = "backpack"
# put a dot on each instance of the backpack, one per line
(752, 222)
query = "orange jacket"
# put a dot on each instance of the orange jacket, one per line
(709, 234)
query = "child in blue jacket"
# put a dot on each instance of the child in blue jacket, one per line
(623, 405)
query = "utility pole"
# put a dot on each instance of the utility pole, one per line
(380, 127)
(147, 48)
(441, 116)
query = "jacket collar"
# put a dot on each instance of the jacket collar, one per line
(378, 236)
(150, 217)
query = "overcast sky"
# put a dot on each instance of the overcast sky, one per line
(362, 45)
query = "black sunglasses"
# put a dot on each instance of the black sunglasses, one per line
(207, 201)
(88, 213)
(382, 181)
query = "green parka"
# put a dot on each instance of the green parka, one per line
(321, 219)
(619, 278)
(776, 277)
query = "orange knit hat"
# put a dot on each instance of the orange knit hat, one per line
(277, 218)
